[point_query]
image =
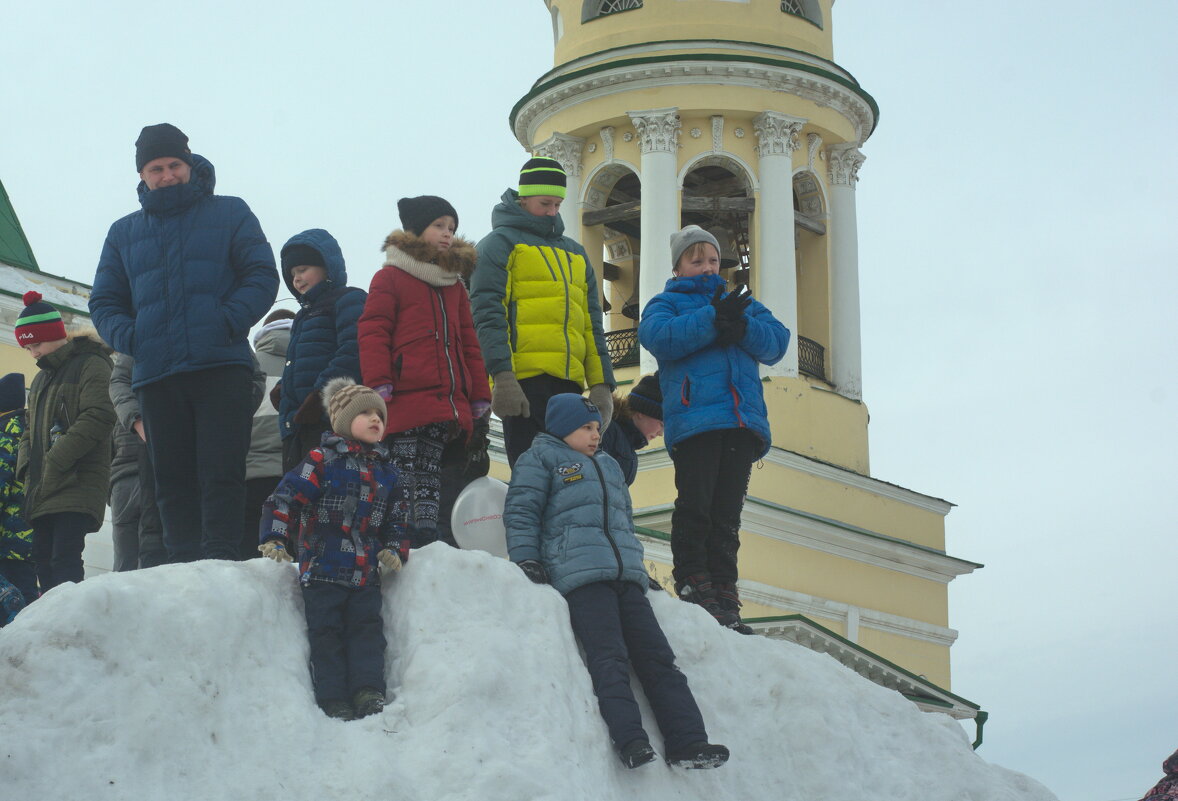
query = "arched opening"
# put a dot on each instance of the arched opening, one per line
(812, 260)
(718, 197)
(592, 9)
(808, 10)
(611, 227)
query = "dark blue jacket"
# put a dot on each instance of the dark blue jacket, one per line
(707, 387)
(181, 281)
(323, 341)
(572, 514)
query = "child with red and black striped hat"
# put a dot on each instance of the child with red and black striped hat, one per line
(64, 455)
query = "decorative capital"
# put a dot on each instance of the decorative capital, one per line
(565, 149)
(844, 161)
(658, 129)
(777, 133)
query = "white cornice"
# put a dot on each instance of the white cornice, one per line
(710, 45)
(570, 92)
(825, 536)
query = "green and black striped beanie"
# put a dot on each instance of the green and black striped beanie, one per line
(542, 176)
(39, 322)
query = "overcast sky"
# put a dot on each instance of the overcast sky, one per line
(1016, 218)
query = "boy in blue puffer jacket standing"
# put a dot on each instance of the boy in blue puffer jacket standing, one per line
(710, 346)
(569, 524)
(322, 343)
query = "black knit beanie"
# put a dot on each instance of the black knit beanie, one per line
(418, 212)
(647, 397)
(160, 141)
(541, 176)
(298, 255)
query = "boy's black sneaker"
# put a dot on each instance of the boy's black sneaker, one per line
(338, 709)
(367, 701)
(636, 753)
(698, 756)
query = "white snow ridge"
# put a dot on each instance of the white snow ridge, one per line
(191, 682)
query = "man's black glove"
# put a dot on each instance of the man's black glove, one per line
(534, 571)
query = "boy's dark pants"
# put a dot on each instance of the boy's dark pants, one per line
(135, 518)
(23, 575)
(711, 478)
(198, 429)
(518, 432)
(257, 490)
(346, 632)
(58, 540)
(618, 630)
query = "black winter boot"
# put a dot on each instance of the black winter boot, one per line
(729, 600)
(698, 755)
(636, 753)
(367, 701)
(339, 709)
(698, 589)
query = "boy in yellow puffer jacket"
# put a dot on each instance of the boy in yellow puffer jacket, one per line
(536, 309)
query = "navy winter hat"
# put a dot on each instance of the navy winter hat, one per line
(647, 397)
(12, 392)
(418, 212)
(568, 412)
(159, 141)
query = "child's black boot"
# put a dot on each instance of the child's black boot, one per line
(698, 755)
(337, 708)
(636, 752)
(698, 589)
(367, 701)
(729, 600)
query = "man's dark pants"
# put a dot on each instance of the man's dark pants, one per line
(618, 630)
(58, 540)
(198, 429)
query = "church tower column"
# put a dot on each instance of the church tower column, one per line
(845, 343)
(658, 139)
(567, 150)
(776, 261)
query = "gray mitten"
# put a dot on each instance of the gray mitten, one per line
(601, 397)
(507, 396)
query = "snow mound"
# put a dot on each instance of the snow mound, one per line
(191, 682)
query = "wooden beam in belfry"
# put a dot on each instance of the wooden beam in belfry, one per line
(622, 211)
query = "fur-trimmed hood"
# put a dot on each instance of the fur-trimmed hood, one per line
(412, 254)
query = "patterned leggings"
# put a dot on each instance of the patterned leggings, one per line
(417, 454)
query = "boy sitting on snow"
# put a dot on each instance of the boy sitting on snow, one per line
(558, 534)
(337, 507)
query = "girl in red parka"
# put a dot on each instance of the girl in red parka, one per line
(419, 351)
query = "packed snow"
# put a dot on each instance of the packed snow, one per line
(191, 682)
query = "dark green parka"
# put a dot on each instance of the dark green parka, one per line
(69, 471)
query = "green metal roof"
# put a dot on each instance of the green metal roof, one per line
(14, 247)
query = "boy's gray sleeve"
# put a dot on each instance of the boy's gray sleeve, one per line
(523, 511)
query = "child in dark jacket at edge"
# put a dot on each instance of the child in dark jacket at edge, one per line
(18, 577)
(710, 344)
(557, 534)
(419, 351)
(337, 507)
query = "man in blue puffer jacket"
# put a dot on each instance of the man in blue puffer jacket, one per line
(569, 523)
(323, 342)
(179, 284)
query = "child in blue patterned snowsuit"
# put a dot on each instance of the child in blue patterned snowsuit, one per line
(569, 524)
(18, 578)
(336, 509)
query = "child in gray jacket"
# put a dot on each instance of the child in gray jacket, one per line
(558, 534)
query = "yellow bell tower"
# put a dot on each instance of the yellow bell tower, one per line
(732, 114)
